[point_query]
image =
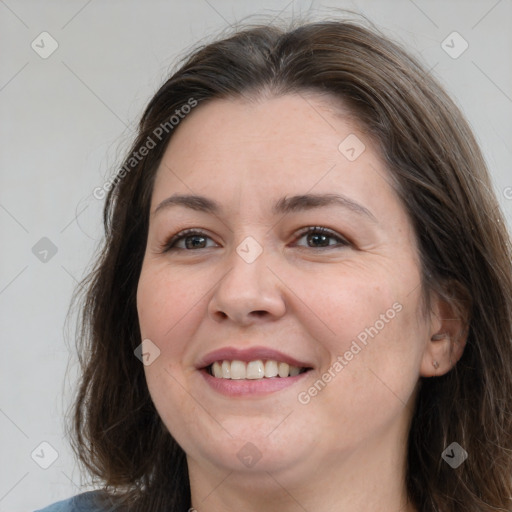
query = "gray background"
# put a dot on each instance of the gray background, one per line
(67, 120)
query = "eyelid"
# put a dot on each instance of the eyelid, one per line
(167, 245)
(343, 241)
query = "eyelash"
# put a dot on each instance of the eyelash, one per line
(168, 246)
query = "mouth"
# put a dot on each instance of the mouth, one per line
(253, 370)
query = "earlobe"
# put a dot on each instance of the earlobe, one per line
(447, 341)
(441, 355)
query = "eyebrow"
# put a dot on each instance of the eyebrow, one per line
(283, 206)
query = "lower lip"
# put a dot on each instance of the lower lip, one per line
(248, 387)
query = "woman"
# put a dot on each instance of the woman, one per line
(304, 250)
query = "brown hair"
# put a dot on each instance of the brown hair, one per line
(441, 177)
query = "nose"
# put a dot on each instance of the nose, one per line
(248, 293)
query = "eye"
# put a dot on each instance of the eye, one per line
(192, 238)
(320, 236)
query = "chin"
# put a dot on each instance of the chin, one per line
(252, 449)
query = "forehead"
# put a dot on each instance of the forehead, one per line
(262, 149)
(262, 128)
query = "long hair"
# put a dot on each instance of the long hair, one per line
(442, 181)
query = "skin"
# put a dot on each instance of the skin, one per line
(345, 449)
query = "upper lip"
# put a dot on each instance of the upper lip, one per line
(250, 354)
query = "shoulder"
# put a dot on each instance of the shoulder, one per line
(84, 502)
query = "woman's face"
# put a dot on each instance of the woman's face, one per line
(250, 290)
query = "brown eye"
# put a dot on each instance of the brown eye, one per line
(320, 238)
(192, 240)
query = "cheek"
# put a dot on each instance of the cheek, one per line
(168, 307)
(384, 371)
(348, 305)
(180, 412)
(374, 344)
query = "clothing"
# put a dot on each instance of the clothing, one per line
(80, 503)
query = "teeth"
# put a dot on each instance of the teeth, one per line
(226, 370)
(284, 369)
(238, 370)
(294, 370)
(217, 370)
(254, 370)
(271, 369)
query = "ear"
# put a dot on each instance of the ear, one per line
(448, 334)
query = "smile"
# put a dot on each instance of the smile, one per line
(253, 370)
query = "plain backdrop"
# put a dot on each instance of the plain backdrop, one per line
(66, 121)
